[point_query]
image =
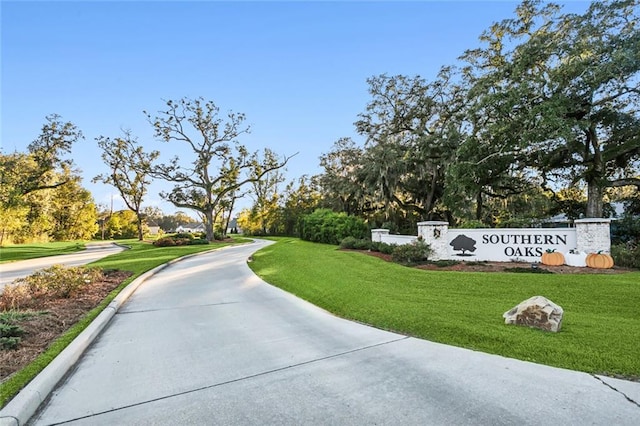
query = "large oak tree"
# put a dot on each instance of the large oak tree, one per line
(219, 164)
(561, 94)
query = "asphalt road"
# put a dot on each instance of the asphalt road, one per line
(207, 342)
(95, 251)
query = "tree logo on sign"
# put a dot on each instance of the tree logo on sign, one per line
(464, 244)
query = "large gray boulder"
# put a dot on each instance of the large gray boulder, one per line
(538, 312)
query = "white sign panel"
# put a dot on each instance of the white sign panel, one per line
(504, 245)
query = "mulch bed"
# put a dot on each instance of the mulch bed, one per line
(57, 316)
(502, 266)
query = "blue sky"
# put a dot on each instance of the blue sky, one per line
(297, 70)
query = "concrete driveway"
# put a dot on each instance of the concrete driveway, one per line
(94, 251)
(207, 342)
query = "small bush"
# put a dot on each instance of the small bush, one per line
(383, 248)
(9, 342)
(411, 254)
(178, 241)
(363, 244)
(15, 297)
(348, 243)
(355, 243)
(626, 255)
(164, 242)
(10, 330)
(10, 333)
(198, 242)
(183, 235)
(55, 282)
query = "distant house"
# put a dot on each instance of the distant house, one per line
(562, 221)
(154, 228)
(233, 227)
(191, 228)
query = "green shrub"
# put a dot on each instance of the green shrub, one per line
(10, 330)
(183, 235)
(363, 244)
(626, 255)
(348, 243)
(411, 254)
(198, 241)
(626, 230)
(9, 335)
(179, 241)
(391, 226)
(383, 248)
(355, 244)
(326, 226)
(9, 342)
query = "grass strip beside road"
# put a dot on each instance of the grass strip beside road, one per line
(600, 331)
(33, 251)
(141, 258)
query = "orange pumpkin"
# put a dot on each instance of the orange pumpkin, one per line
(552, 258)
(599, 260)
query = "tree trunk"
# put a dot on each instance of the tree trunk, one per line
(594, 190)
(594, 199)
(139, 222)
(208, 225)
(226, 224)
(479, 205)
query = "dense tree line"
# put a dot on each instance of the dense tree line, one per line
(541, 119)
(41, 197)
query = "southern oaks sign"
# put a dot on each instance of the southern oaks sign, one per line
(508, 244)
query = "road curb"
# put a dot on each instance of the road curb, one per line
(24, 405)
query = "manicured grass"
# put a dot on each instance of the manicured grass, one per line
(600, 331)
(139, 259)
(32, 251)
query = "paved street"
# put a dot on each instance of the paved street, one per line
(207, 342)
(14, 270)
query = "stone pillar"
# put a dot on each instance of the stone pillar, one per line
(435, 234)
(593, 235)
(378, 234)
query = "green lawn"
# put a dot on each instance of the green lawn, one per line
(32, 251)
(139, 259)
(600, 331)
